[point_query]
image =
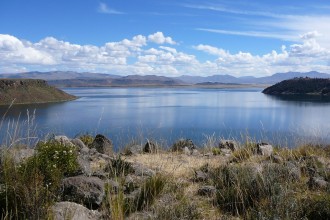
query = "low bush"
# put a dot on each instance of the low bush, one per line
(31, 186)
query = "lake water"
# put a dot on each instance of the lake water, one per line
(171, 113)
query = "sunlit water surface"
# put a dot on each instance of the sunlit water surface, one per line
(170, 113)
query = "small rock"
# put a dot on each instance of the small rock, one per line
(317, 183)
(73, 211)
(133, 150)
(186, 151)
(226, 151)
(150, 147)
(84, 164)
(195, 152)
(294, 171)
(102, 145)
(78, 143)
(264, 149)
(86, 190)
(64, 140)
(228, 144)
(201, 176)
(141, 170)
(277, 159)
(206, 191)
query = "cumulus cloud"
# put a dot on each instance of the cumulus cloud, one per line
(159, 38)
(306, 56)
(13, 50)
(136, 56)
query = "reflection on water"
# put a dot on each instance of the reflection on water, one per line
(171, 113)
(298, 99)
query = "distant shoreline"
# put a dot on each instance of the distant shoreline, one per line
(216, 86)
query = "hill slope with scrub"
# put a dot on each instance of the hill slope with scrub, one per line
(27, 91)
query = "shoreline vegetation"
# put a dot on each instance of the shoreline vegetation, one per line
(83, 178)
(300, 86)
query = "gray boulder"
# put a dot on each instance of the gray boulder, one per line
(88, 191)
(264, 149)
(84, 161)
(73, 211)
(64, 140)
(78, 143)
(228, 144)
(102, 145)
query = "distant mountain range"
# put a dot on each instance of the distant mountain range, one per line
(275, 78)
(69, 78)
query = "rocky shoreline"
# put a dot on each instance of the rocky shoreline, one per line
(143, 181)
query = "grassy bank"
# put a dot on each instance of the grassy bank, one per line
(179, 182)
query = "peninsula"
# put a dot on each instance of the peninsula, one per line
(300, 86)
(28, 91)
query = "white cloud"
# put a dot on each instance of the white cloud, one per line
(307, 56)
(135, 56)
(159, 38)
(211, 50)
(103, 8)
(13, 50)
(263, 34)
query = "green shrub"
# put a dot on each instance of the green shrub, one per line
(30, 187)
(55, 161)
(86, 139)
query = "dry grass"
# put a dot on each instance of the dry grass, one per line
(176, 165)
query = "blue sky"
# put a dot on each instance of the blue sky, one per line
(167, 38)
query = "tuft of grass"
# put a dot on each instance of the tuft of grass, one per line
(119, 167)
(243, 189)
(151, 188)
(244, 153)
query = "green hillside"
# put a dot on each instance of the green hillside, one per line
(26, 91)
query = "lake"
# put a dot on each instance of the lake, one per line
(167, 114)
